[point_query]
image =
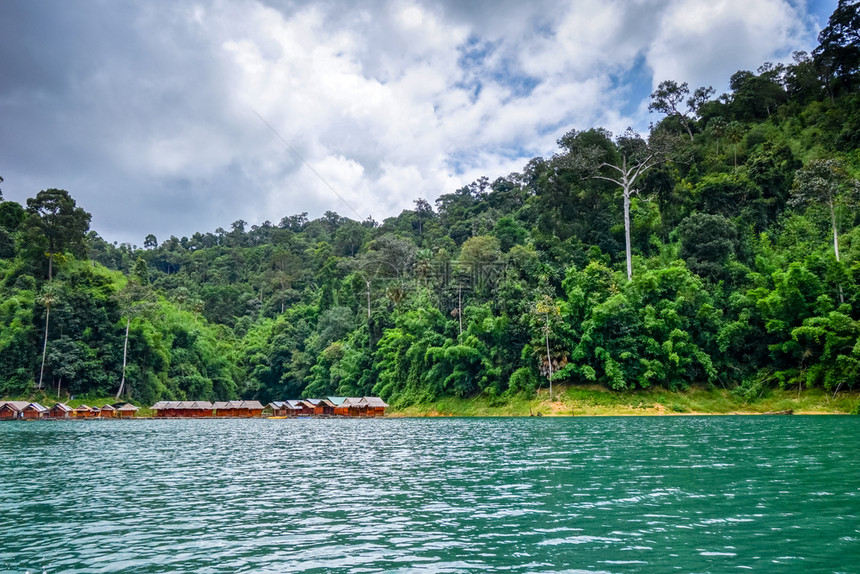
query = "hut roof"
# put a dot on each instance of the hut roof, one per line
(282, 405)
(158, 406)
(336, 400)
(16, 406)
(327, 403)
(314, 402)
(252, 405)
(108, 408)
(295, 403)
(128, 407)
(204, 405)
(375, 402)
(83, 409)
(62, 407)
(356, 401)
(220, 405)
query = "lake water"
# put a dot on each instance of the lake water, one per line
(687, 494)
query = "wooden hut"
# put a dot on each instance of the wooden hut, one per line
(375, 406)
(184, 409)
(60, 411)
(201, 409)
(107, 412)
(12, 409)
(324, 407)
(8, 412)
(34, 411)
(279, 408)
(126, 411)
(253, 408)
(301, 408)
(342, 408)
(239, 409)
(357, 406)
(220, 408)
(84, 412)
(232, 409)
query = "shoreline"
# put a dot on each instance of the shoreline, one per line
(596, 401)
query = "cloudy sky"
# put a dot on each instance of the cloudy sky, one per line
(171, 117)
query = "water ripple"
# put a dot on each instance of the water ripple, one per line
(453, 495)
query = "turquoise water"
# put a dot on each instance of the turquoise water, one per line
(686, 494)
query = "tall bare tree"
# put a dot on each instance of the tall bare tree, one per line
(623, 164)
(826, 181)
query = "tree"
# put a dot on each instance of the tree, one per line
(839, 43)
(669, 97)
(632, 158)
(49, 297)
(735, 133)
(134, 300)
(141, 271)
(11, 215)
(547, 307)
(150, 242)
(826, 181)
(423, 212)
(54, 214)
(707, 242)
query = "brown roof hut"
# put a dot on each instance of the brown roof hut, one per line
(107, 412)
(220, 408)
(357, 406)
(60, 411)
(375, 406)
(324, 407)
(8, 412)
(126, 411)
(202, 409)
(239, 409)
(12, 409)
(281, 409)
(253, 408)
(158, 408)
(232, 409)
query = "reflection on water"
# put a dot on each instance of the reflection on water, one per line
(436, 495)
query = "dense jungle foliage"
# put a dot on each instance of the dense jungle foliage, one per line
(743, 269)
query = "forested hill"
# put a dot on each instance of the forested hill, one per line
(743, 269)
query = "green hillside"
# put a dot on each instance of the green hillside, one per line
(720, 251)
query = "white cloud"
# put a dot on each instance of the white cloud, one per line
(705, 42)
(408, 99)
